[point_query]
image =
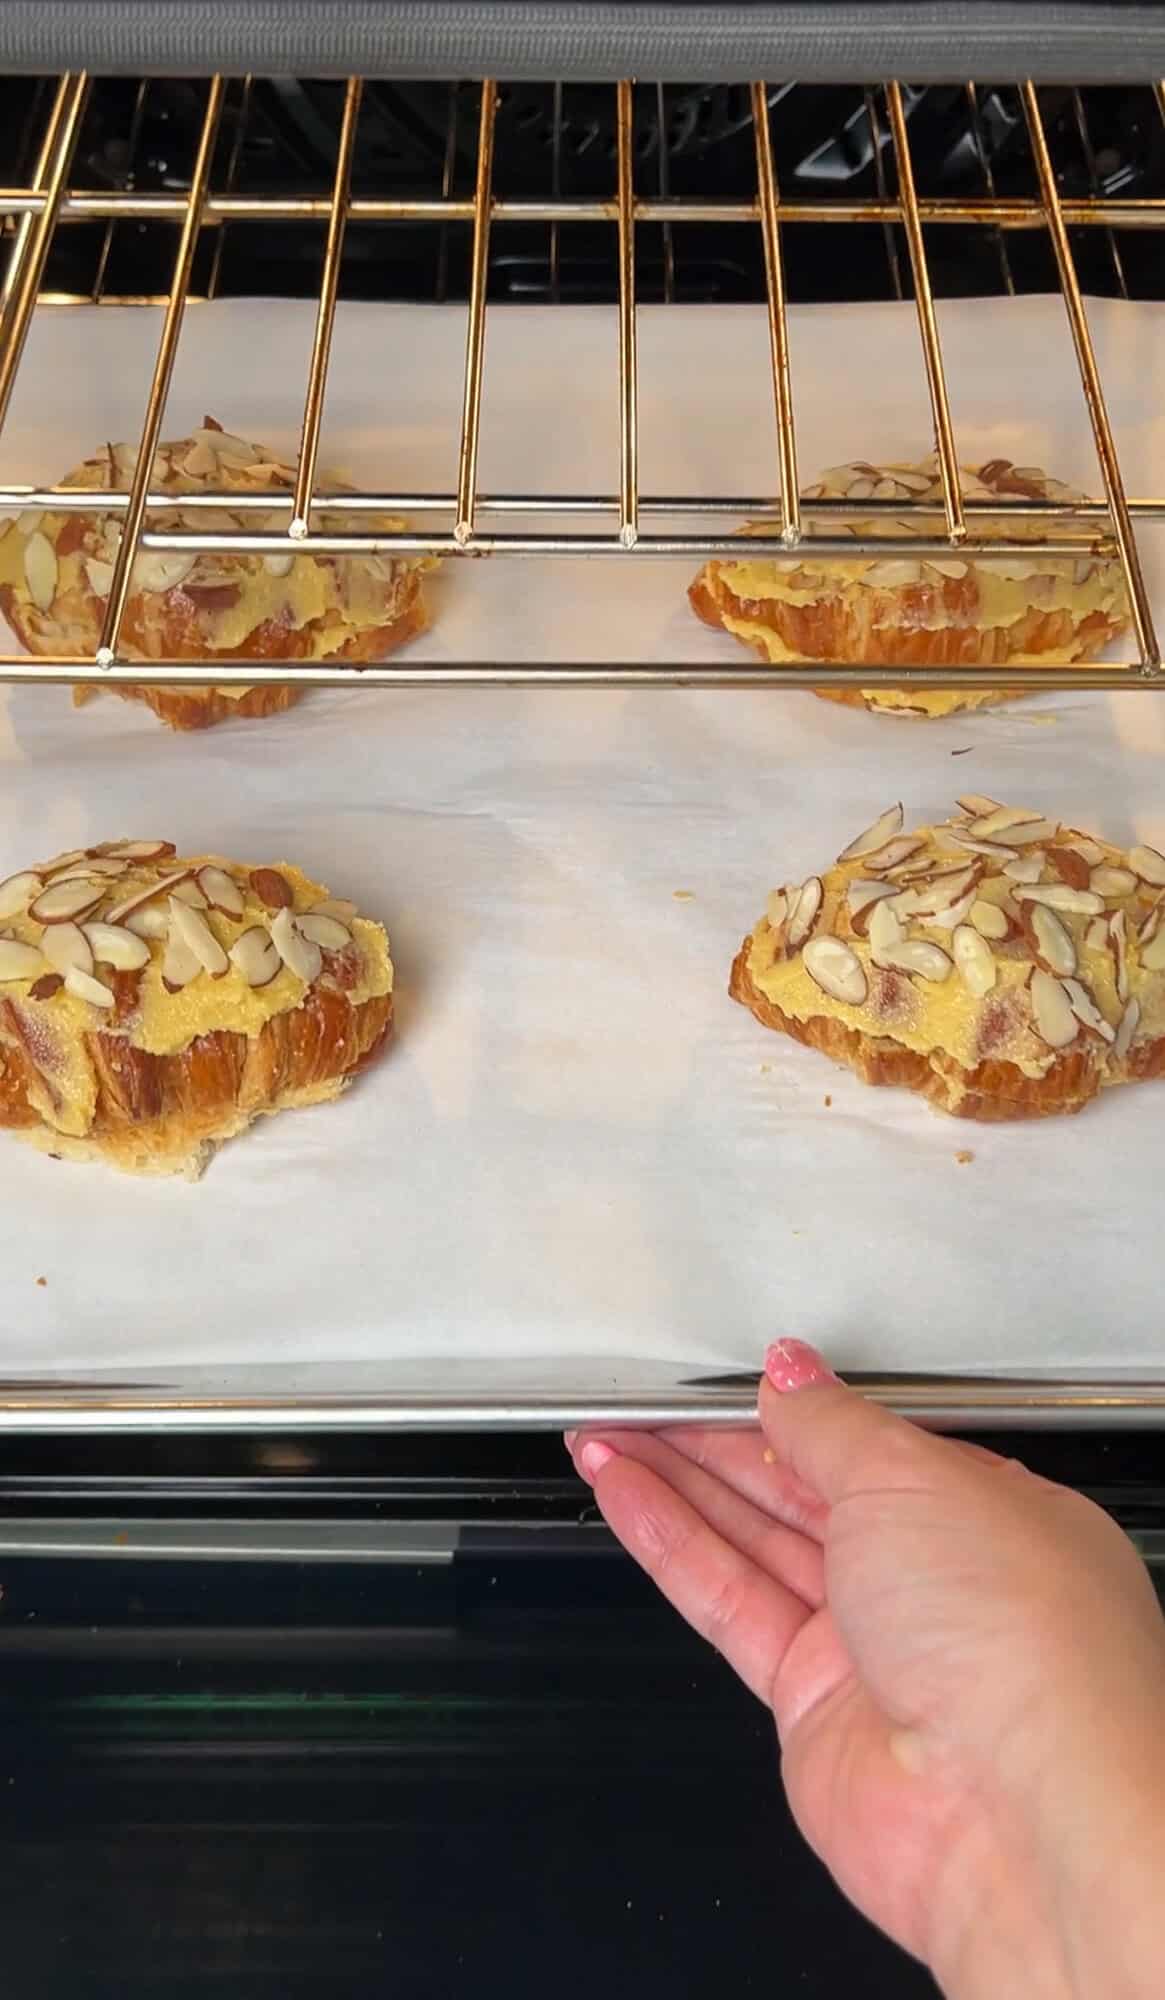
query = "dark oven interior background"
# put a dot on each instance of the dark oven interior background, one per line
(279, 136)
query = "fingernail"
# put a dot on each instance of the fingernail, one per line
(568, 1438)
(593, 1457)
(793, 1364)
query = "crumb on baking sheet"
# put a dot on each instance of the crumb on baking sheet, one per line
(964, 1156)
(684, 895)
(42, 1281)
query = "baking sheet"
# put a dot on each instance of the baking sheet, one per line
(579, 1155)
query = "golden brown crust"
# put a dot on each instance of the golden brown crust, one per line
(202, 707)
(882, 631)
(993, 1092)
(206, 993)
(901, 612)
(172, 1109)
(56, 571)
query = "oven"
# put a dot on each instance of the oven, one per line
(319, 1670)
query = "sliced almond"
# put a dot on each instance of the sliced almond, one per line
(1149, 865)
(85, 987)
(947, 566)
(803, 913)
(974, 804)
(1096, 936)
(114, 945)
(884, 930)
(65, 902)
(66, 945)
(993, 849)
(255, 956)
(188, 892)
(221, 890)
(1070, 866)
(93, 865)
(46, 987)
(950, 918)
(1112, 881)
(1025, 834)
(328, 932)
(894, 851)
(198, 937)
(1087, 1012)
(272, 888)
(179, 964)
(1126, 1030)
(1088, 850)
(335, 906)
(989, 920)
(158, 571)
(1118, 938)
(1051, 940)
(895, 573)
(1059, 896)
(138, 850)
(941, 892)
(836, 969)
(996, 822)
(861, 899)
(1153, 953)
(974, 959)
(918, 955)
(19, 961)
(930, 869)
(150, 921)
(166, 886)
(875, 835)
(99, 575)
(41, 570)
(1052, 1015)
(278, 565)
(298, 953)
(17, 892)
(777, 908)
(47, 868)
(1028, 868)
(1150, 924)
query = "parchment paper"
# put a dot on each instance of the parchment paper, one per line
(578, 1147)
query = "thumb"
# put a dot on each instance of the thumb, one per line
(834, 1439)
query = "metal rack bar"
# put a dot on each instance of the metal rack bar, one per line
(944, 435)
(1000, 211)
(937, 1401)
(475, 331)
(628, 348)
(1142, 614)
(411, 672)
(321, 347)
(778, 318)
(160, 385)
(30, 253)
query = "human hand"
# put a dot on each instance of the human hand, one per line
(966, 1665)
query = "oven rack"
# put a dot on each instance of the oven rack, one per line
(622, 525)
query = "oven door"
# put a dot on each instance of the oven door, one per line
(344, 1715)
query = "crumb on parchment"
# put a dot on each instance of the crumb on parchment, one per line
(964, 1157)
(42, 1281)
(827, 1101)
(684, 895)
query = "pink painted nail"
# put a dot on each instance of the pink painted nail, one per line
(793, 1364)
(593, 1457)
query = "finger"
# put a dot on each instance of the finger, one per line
(782, 1552)
(725, 1597)
(745, 1461)
(835, 1440)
